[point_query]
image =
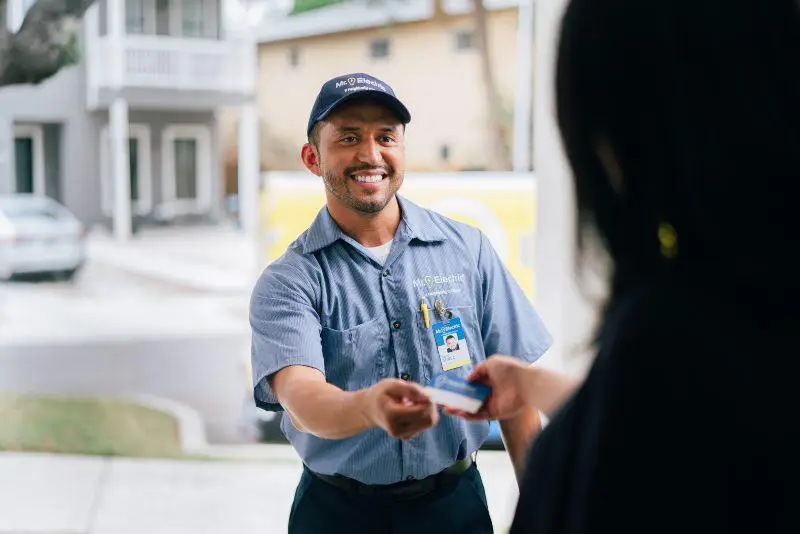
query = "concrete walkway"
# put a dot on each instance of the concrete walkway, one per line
(50, 494)
(59, 494)
(218, 259)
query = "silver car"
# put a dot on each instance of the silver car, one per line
(39, 235)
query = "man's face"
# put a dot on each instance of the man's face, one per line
(360, 156)
(451, 343)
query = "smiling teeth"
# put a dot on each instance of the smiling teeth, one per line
(372, 179)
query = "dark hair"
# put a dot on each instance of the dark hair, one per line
(451, 337)
(699, 101)
(314, 139)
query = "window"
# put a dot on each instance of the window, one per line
(29, 159)
(379, 48)
(139, 170)
(187, 186)
(192, 18)
(185, 168)
(134, 16)
(23, 159)
(133, 167)
(464, 40)
(294, 56)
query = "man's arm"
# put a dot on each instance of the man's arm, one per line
(518, 434)
(322, 409)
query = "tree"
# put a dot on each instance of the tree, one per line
(500, 156)
(44, 44)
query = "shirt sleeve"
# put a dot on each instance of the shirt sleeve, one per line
(285, 330)
(510, 324)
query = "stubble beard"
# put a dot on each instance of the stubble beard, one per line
(343, 194)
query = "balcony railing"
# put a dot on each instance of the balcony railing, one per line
(149, 61)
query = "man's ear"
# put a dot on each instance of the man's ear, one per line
(310, 157)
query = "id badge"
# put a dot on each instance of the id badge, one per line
(451, 344)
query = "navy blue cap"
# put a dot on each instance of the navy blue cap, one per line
(350, 87)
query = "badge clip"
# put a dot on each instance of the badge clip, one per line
(442, 312)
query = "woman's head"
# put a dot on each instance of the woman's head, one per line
(685, 114)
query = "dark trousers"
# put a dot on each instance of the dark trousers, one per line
(456, 507)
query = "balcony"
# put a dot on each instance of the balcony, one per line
(150, 61)
(167, 68)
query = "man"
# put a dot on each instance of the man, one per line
(343, 340)
(452, 343)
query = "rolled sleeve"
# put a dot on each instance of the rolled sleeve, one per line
(285, 330)
(510, 324)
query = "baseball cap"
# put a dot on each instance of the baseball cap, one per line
(348, 87)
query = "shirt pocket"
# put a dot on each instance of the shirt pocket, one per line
(431, 360)
(353, 356)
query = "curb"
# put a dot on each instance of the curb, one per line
(191, 428)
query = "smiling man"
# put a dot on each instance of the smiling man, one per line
(343, 342)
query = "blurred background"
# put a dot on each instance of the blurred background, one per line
(149, 170)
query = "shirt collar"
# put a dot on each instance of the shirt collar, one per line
(416, 223)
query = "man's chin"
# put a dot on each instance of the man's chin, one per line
(369, 208)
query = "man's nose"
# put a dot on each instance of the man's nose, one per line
(370, 152)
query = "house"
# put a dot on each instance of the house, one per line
(430, 58)
(139, 113)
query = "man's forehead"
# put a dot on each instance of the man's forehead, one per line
(363, 112)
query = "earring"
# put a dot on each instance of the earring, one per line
(668, 238)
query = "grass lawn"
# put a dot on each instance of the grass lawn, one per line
(71, 425)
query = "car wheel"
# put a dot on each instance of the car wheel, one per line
(66, 275)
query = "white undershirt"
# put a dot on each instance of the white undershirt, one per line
(381, 252)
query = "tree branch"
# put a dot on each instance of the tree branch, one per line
(3, 14)
(45, 43)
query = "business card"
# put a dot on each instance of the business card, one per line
(455, 392)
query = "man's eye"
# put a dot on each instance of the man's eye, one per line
(349, 139)
(387, 139)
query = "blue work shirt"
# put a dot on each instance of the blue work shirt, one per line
(328, 304)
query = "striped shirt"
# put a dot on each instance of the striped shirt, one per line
(328, 304)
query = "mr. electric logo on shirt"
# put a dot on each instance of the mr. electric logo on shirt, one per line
(440, 284)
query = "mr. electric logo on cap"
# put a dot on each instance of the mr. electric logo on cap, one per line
(363, 83)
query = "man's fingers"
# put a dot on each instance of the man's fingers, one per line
(479, 374)
(400, 390)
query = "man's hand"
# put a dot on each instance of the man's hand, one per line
(400, 408)
(506, 400)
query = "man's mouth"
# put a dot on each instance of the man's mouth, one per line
(368, 177)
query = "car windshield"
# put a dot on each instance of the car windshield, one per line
(19, 209)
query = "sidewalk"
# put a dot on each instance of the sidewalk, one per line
(217, 259)
(49, 494)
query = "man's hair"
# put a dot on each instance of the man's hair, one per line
(448, 338)
(314, 139)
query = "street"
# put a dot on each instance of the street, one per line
(117, 331)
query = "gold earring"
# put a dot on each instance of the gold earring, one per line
(668, 238)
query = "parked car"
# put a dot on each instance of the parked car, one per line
(38, 235)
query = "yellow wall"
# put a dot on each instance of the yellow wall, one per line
(501, 204)
(441, 86)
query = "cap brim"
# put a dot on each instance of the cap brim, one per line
(391, 102)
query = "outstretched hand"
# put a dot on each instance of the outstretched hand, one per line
(501, 373)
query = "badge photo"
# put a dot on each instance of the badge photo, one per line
(451, 344)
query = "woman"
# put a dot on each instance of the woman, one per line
(681, 121)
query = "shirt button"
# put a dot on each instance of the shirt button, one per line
(405, 376)
(386, 273)
(397, 325)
